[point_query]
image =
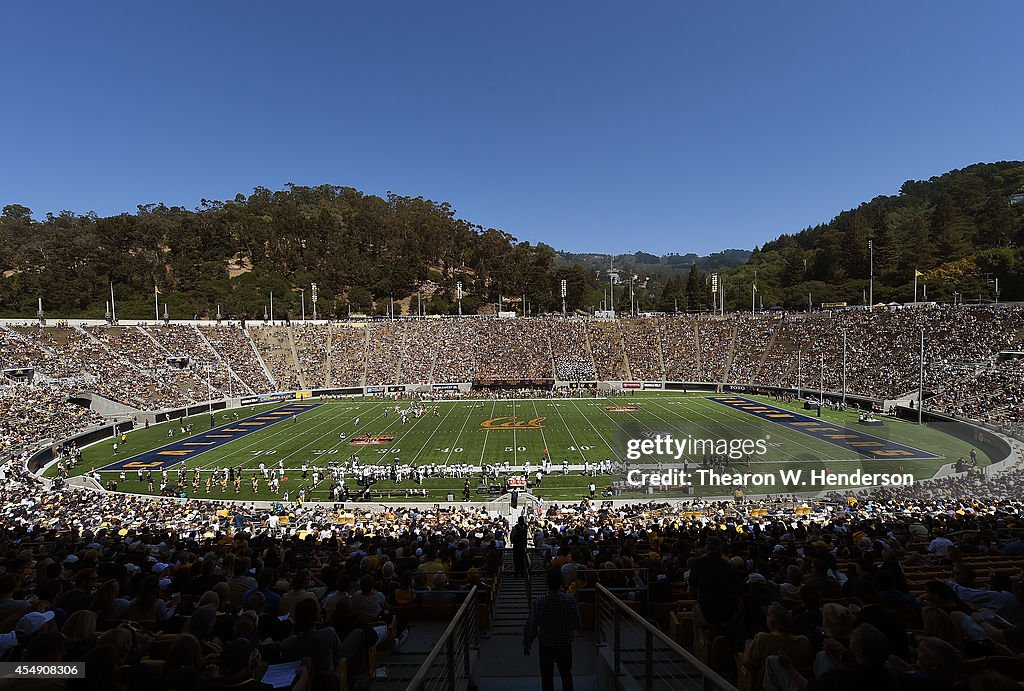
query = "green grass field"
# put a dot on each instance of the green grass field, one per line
(577, 430)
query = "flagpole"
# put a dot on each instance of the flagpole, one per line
(113, 310)
(915, 286)
(156, 303)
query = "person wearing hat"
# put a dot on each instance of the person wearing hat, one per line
(28, 628)
(79, 597)
(759, 596)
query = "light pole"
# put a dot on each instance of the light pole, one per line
(611, 291)
(821, 388)
(844, 368)
(753, 294)
(871, 275)
(563, 297)
(313, 297)
(209, 393)
(920, 383)
(799, 371)
(302, 297)
(458, 292)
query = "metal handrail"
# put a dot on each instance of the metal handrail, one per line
(445, 640)
(621, 612)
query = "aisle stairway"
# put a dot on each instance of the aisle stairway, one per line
(501, 665)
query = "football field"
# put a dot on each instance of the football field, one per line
(472, 434)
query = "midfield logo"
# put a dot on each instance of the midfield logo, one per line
(510, 422)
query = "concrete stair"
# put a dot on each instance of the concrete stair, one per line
(501, 665)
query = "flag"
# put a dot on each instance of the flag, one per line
(917, 273)
(156, 290)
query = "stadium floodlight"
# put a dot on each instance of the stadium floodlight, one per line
(753, 294)
(613, 278)
(458, 292)
(799, 371)
(871, 275)
(821, 385)
(564, 284)
(844, 368)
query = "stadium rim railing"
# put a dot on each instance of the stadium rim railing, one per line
(460, 637)
(636, 648)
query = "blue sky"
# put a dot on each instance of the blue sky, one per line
(592, 126)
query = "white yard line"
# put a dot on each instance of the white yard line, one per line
(483, 448)
(455, 444)
(573, 438)
(439, 424)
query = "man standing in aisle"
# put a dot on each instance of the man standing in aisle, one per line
(554, 619)
(519, 535)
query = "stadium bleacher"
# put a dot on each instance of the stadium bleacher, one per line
(149, 591)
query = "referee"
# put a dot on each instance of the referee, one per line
(553, 620)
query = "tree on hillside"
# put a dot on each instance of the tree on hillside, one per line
(696, 298)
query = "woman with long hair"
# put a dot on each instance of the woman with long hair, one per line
(80, 632)
(147, 605)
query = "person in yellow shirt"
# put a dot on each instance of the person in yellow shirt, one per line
(563, 557)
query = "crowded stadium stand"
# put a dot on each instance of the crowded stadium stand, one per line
(570, 351)
(909, 588)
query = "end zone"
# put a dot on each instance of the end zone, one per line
(197, 444)
(860, 443)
